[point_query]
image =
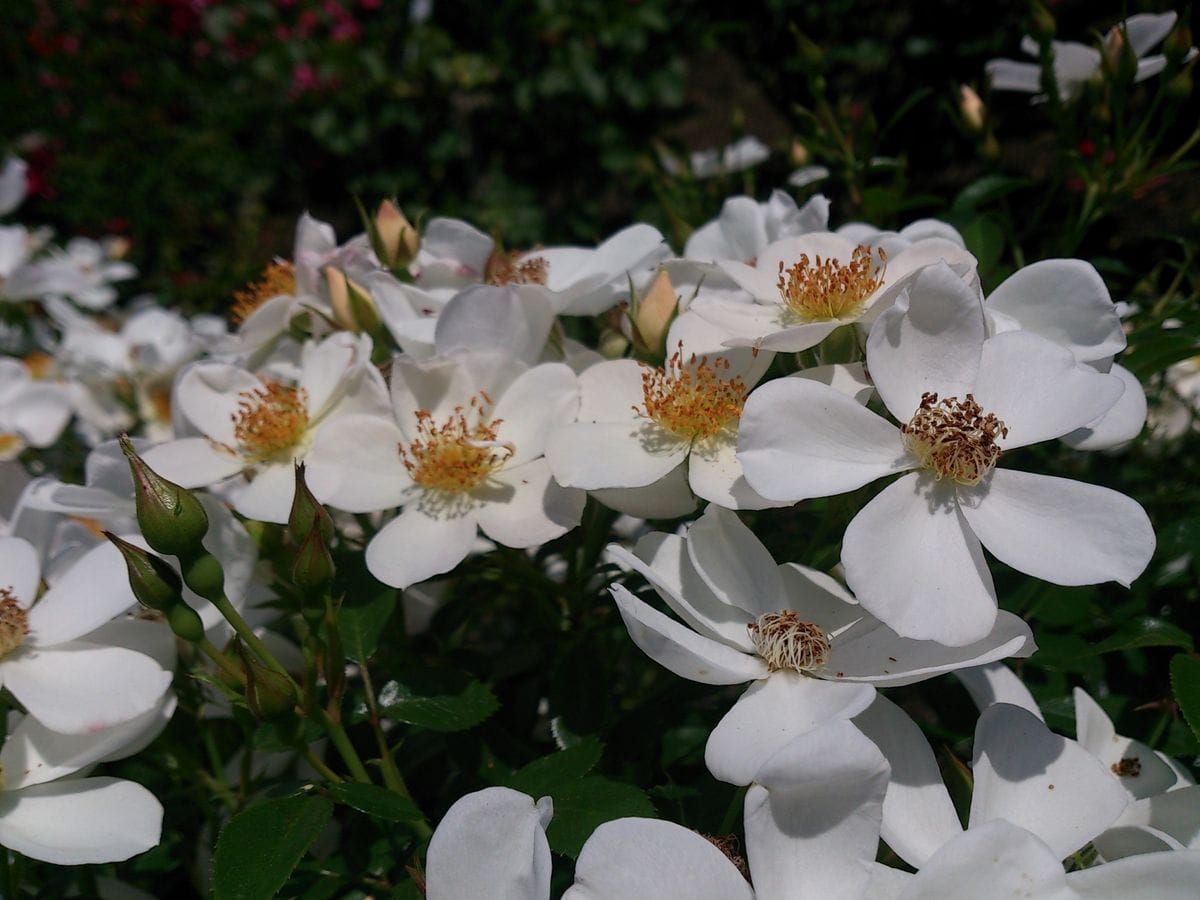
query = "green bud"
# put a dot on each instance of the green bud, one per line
(810, 53)
(312, 568)
(204, 575)
(307, 512)
(185, 622)
(1041, 22)
(155, 584)
(1178, 44)
(1180, 86)
(268, 694)
(1120, 62)
(170, 517)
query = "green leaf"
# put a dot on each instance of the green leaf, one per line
(1185, 684)
(1145, 632)
(985, 239)
(375, 801)
(439, 699)
(581, 807)
(987, 189)
(544, 776)
(361, 624)
(260, 846)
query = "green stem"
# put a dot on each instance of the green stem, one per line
(391, 775)
(341, 741)
(222, 662)
(731, 814)
(246, 633)
(323, 770)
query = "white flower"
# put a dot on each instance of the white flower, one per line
(1076, 64)
(812, 653)
(261, 426)
(746, 227)
(491, 843)
(913, 554)
(804, 288)
(742, 154)
(13, 184)
(463, 452)
(892, 242)
(47, 657)
(32, 413)
(85, 272)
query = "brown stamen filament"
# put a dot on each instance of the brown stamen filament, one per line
(458, 454)
(826, 290)
(692, 400)
(787, 642)
(270, 421)
(954, 438)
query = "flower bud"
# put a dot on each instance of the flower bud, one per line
(171, 518)
(312, 568)
(268, 694)
(652, 315)
(306, 512)
(185, 622)
(204, 575)
(1177, 48)
(396, 241)
(151, 578)
(810, 53)
(353, 309)
(1041, 22)
(1120, 62)
(973, 111)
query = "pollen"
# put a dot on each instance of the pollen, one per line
(11, 445)
(458, 454)
(1128, 767)
(14, 622)
(270, 421)
(278, 279)
(954, 438)
(695, 400)
(39, 364)
(505, 268)
(787, 642)
(826, 290)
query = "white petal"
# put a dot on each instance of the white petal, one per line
(91, 592)
(1164, 876)
(592, 455)
(913, 563)
(1120, 424)
(538, 401)
(818, 597)
(525, 506)
(667, 498)
(996, 861)
(799, 439)
(679, 649)
(415, 546)
(812, 819)
(1038, 390)
(1066, 301)
(1010, 75)
(744, 324)
(1040, 781)
(21, 568)
(1063, 531)
(81, 688)
(207, 395)
(483, 317)
(93, 820)
(930, 344)
(733, 563)
(268, 496)
(771, 714)
(870, 651)
(632, 857)
(442, 384)
(1094, 730)
(193, 462)
(491, 843)
(1173, 815)
(1144, 30)
(997, 683)
(356, 466)
(918, 816)
(715, 475)
(611, 391)
(850, 378)
(328, 367)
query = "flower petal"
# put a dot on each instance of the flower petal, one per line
(667, 498)
(1122, 423)
(207, 396)
(1172, 875)
(94, 590)
(595, 455)
(914, 564)
(193, 462)
(997, 683)
(771, 714)
(534, 508)
(21, 567)
(415, 546)
(538, 401)
(356, 466)
(734, 564)
(1094, 730)
(1059, 530)
(715, 475)
(268, 496)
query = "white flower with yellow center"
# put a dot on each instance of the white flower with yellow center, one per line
(461, 453)
(803, 288)
(258, 427)
(913, 555)
(68, 682)
(810, 651)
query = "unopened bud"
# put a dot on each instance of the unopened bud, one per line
(353, 308)
(1177, 48)
(151, 578)
(1120, 62)
(171, 518)
(973, 111)
(312, 568)
(798, 154)
(204, 575)
(307, 511)
(397, 242)
(268, 694)
(653, 314)
(185, 622)
(810, 53)
(1041, 22)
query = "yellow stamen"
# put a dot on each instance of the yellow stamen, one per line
(828, 290)
(270, 421)
(695, 400)
(278, 279)
(954, 438)
(504, 268)
(457, 455)
(14, 622)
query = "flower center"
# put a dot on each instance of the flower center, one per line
(785, 641)
(14, 622)
(954, 438)
(278, 279)
(696, 400)
(270, 420)
(11, 445)
(828, 290)
(40, 365)
(459, 454)
(504, 268)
